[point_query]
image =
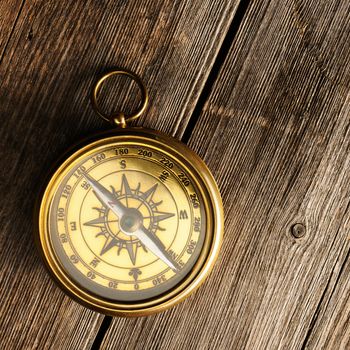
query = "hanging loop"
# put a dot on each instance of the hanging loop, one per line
(119, 118)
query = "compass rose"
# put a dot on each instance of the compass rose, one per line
(142, 209)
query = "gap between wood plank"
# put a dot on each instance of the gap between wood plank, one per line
(107, 320)
(213, 74)
(12, 31)
(319, 305)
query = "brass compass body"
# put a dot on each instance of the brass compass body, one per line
(131, 222)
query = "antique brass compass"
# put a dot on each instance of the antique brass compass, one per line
(131, 222)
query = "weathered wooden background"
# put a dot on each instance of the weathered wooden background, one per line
(261, 90)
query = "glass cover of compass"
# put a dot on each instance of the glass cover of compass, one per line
(131, 222)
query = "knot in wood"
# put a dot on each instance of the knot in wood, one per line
(298, 230)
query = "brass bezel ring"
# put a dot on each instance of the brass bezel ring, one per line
(212, 203)
(119, 118)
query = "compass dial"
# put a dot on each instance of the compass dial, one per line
(125, 222)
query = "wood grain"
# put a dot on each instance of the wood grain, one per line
(275, 132)
(46, 79)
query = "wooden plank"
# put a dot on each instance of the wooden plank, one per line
(330, 327)
(44, 103)
(275, 132)
(9, 13)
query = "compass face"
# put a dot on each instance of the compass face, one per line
(125, 221)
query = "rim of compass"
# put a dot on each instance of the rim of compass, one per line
(212, 203)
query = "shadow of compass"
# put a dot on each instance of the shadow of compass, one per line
(137, 190)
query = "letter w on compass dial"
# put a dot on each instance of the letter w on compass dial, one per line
(129, 219)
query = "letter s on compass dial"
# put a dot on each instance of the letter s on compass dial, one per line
(131, 223)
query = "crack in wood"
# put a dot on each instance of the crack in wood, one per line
(2, 55)
(324, 294)
(218, 63)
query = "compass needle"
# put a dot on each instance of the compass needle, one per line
(131, 217)
(107, 198)
(153, 243)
